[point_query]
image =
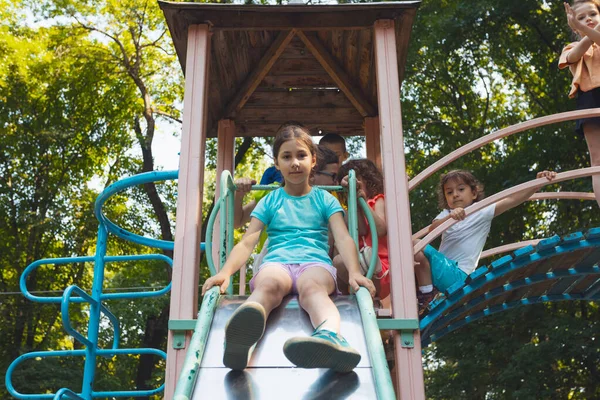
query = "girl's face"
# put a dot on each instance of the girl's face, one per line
(587, 13)
(295, 161)
(459, 194)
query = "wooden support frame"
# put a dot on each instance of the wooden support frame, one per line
(225, 161)
(373, 140)
(336, 72)
(186, 259)
(409, 370)
(263, 68)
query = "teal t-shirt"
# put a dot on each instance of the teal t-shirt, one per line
(297, 226)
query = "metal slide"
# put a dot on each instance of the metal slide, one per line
(269, 374)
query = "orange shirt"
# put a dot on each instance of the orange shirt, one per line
(586, 71)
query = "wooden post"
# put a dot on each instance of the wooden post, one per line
(373, 140)
(184, 287)
(225, 161)
(409, 370)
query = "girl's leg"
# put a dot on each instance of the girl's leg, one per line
(326, 348)
(591, 131)
(247, 324)
(422, 270)
(271, 285)
(342, 274)
(314, 286)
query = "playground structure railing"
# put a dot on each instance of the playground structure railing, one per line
(74, 294)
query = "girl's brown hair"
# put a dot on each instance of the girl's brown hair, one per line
(367, 172)
(463, 176)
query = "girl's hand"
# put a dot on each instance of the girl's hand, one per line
(244, 185)
(360, 187)
(458, 214)
(356, 280)
(220, 279)
(550, 175)
(572, 20)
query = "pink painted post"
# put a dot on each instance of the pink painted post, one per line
(184, 289)
(225, 161)
(373, 140)
(409, 372)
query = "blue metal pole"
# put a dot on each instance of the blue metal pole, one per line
(89, 371)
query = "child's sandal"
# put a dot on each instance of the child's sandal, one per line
(324, 349)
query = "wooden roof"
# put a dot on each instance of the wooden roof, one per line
(272, 64)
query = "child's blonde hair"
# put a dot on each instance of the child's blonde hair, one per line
(460, 175)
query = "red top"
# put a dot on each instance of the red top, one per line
(382, 251)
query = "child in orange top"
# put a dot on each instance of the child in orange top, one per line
(583, 59)
(369, 181)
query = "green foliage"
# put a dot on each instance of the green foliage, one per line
(474, 68)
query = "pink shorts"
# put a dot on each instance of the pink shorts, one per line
(295, 270)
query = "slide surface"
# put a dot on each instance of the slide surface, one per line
(269, 374)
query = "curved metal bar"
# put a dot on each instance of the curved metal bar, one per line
(227, 189)
(508, 248)
(64, 308)
(67, 394)
(80, 353)
(121, 185)
(374, 239)
(535, 197)
(352, 217)
(562, 195)
(502, 133)
(209, 235)
(73, 260)
(538, 183)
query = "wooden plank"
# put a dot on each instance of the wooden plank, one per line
(297, 66)
(365, 45)
(298, 98)
(373, 141)
(350, 64)
(338, 75)
(313, 115)
(337, 45)
(259, 73)
(298, 82)
(267, 130)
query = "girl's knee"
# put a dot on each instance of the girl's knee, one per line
(271, 286)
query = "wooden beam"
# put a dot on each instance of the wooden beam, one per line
(409, 370)
(269, 130)
(337, 74)
(373, 140)
(186, 256)
(263, 68)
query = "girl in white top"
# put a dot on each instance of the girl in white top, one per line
(463, 242)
